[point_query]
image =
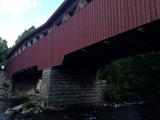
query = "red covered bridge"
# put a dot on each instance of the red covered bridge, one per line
(70, 29)
(95, 31)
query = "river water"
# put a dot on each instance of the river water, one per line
(149, 111)
(3, 106)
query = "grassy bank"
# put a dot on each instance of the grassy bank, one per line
(134, 78)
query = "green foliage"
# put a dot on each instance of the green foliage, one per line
(3, 51)
(29, 104)
(133, 78)
(24, 34)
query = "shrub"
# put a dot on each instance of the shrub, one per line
(133, 78)
(29, 104)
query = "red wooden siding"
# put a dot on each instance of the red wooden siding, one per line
(97, 21)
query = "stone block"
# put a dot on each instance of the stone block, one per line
(69, 87)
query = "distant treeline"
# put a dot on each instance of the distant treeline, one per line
(3, 52)
(4, 49)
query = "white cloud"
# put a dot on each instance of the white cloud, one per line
(11, 30)
(17, 7)
(11, 12)
(18, 15)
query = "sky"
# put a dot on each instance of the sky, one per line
(18, 15)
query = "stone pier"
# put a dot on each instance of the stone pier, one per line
(71, 86)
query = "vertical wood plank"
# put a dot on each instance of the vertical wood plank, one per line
(133, 2)
(158, 8)
(119, 16)
(138, 11)
(130, 15)
(143, 12)
(152, 9)
(147, 8)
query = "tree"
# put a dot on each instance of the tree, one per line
(3, 51)
(24, 34)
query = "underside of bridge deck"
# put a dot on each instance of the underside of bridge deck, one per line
(24, 82)
(137, 41)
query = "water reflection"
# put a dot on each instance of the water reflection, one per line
(3, 106)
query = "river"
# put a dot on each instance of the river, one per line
(3, 106)
(147, 111)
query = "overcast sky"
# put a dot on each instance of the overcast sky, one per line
(18, 15)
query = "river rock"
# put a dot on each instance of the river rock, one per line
(27, 111)
(35, 110)
(92, 118)
(18, 108)
(14, 110)
(38, 110)
(10, 112)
